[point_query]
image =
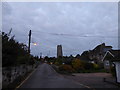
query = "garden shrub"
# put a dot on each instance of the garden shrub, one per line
(57, 63)
(66, 68)
(77, 64)
(96, 66)
(88, 66)
(113, 71)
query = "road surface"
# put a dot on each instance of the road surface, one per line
(45, 77)
(94, 80)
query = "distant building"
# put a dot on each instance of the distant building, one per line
(59, 51)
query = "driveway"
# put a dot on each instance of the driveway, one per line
(93, 80)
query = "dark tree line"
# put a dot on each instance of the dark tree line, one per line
(13, 52)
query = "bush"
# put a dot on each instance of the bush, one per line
(22, 59)
(89, 66)
(113, 72)
(96, 66)
(78, 64)
(57, 63)
(66, 68)
(83, 66)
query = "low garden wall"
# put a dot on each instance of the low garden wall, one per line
(9, 74)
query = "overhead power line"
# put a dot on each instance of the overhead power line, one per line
(74, 35)
(71, 35)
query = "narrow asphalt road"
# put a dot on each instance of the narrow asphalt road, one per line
(46, 77)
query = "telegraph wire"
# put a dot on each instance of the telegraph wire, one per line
(75, 35)
(69, 35)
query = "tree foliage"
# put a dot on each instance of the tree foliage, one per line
(77, 64)
(80, 65)
(13, 52)
(66, 68)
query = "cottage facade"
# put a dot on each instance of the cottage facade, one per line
(112, 57)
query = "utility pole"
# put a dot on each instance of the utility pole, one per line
(29, 42)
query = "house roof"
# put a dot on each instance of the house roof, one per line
(115, 52)
(112, 55)
(100, 48)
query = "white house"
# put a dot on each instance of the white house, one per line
(117, 65)
(112, 57)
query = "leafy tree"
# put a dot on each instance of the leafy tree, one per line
(13, 52)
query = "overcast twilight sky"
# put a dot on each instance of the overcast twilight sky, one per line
(77, 26)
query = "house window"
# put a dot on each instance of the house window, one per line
(107, 63)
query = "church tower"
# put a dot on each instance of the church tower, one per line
(59, 51)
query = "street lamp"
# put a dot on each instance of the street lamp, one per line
(35, 44)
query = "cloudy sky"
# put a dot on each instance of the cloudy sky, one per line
(77, 26)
